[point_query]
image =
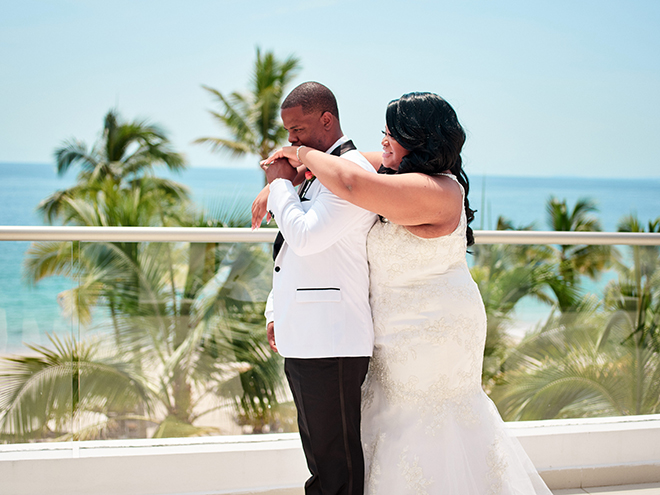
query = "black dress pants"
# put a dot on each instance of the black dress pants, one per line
(327, 395)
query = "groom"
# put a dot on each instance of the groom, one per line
(318, 312)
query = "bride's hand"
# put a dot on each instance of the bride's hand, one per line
(287, 152)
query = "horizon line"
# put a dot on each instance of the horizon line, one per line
(474, 175)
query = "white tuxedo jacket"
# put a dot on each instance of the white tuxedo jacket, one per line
(320, 297)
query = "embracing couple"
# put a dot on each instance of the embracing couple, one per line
(370, 274)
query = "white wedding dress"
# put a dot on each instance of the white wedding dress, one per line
(427, 425)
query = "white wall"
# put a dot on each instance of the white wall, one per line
(568, 453)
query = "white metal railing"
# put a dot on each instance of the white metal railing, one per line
(213, 234)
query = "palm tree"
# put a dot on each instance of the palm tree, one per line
(257, 391)
(573, 261)
(570, 368)
(125, 154)
(634, 324)
(599, 360)
(103, 270)
(189, 335)
(505, 275)
(252, 118)
(54, 391)
(558, 371)
(90, 389)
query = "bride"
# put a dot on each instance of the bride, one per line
(427, 425)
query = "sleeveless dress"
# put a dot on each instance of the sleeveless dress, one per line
(427, 425)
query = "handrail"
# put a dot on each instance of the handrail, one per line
(136, 234)
(565, 238)
(214, 234)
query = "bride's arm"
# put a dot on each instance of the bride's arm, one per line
(373, 157)
(407, 199)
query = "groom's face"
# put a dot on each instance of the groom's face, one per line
(306, 129)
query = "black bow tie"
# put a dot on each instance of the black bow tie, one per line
(343, 148)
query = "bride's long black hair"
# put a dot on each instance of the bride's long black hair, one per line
(427, 126)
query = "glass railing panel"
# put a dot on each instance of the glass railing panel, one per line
(175, 342)
(163, 339)
(38, 368)
(572, 334)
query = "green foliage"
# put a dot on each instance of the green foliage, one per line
(252, 118)
(557, 371)
(505, 274)
(599, 358)
(64, 389)
(119, 167)
(188, 333)
(572, 261)
(188, 327)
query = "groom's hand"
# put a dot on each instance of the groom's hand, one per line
(270, 331)
(280, 169)
(259, 208)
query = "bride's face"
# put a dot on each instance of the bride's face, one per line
(393, 152)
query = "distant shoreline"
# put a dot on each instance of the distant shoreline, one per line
(470, 176)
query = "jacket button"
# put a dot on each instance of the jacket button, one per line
(277, 268)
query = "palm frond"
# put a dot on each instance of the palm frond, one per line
(218, 144)
(252, 119)
(71, 152)
(55, 385)
(48, 258)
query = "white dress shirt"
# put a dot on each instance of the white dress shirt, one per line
(320, 297)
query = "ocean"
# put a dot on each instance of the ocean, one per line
(28, 313)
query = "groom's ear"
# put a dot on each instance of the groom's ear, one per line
(327, 120)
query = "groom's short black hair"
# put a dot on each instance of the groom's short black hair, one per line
(313, 97)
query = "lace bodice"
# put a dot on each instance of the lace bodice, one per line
(401, 256)
(398, 257)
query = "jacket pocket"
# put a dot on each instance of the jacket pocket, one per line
(318, 317)
(318, 294)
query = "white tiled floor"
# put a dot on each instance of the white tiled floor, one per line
(646, 489)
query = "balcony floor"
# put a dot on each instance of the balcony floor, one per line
(645, 489)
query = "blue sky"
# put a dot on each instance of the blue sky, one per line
(543, 88)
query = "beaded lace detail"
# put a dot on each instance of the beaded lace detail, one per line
(423, 407)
